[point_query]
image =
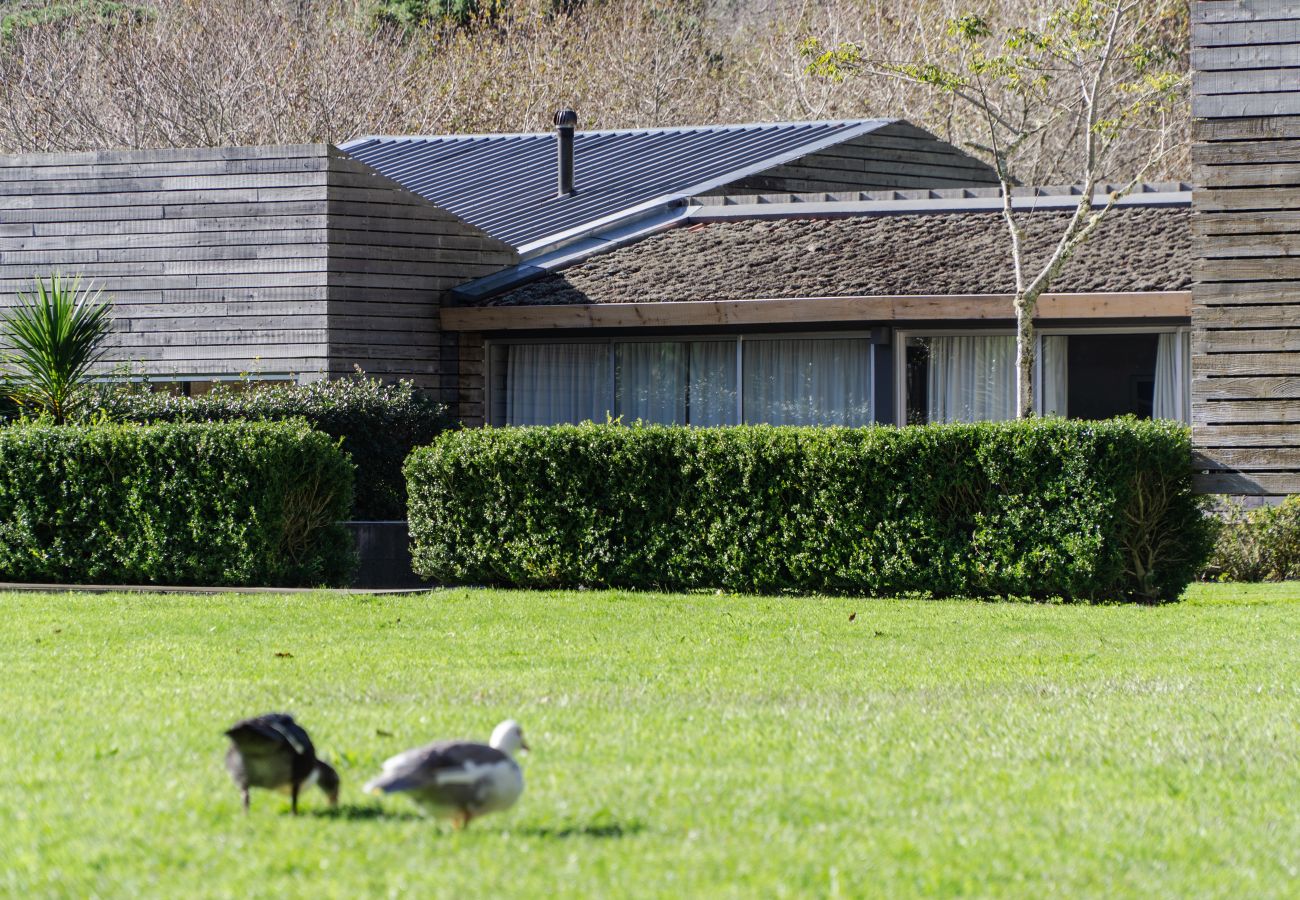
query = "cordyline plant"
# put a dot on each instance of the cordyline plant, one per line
(53, 336)
(1094, 76)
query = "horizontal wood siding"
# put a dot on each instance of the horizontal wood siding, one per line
(1246, 300)
(392, 258)
(216, 260)
(898, 156)
(272, 260)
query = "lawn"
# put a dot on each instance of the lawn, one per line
(682, 745)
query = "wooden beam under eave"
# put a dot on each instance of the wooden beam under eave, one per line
(816, 310)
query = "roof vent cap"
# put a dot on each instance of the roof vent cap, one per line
(566, 120)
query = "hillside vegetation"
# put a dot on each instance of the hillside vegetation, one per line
(83, 74)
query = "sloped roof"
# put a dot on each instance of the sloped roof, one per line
(505, 184)
(1138, 248)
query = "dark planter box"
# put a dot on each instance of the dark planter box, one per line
(384, 549)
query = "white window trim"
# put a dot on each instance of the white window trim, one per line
(901, 336)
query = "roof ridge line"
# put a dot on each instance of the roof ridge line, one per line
(661, 129)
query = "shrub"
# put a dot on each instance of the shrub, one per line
(55, 336)
(1043, 509)
(225, 504)
(378, 423)
(1258, 545)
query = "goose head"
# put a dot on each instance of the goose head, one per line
(508, 737)
(328, 781)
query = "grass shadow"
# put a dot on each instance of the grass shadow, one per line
(599, 831)
(349, 812)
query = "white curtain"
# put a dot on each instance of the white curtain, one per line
(712, 394)
(1055, 383)
(651, 379)
(971, 379)
(813, 381)
(549, 384)
(1172, 396)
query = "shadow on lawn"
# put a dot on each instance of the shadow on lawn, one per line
(601, 830)
(349, 812)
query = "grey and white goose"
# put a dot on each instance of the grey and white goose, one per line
(458, 780)
(274, 752)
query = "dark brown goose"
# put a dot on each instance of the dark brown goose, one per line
(274, 752)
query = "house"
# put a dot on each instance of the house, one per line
(305, 262)
(887, 306)
(840, 272)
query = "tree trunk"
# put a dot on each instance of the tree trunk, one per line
(1024, 357)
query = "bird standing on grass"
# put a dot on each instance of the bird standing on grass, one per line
(274, 752)
(458, 780)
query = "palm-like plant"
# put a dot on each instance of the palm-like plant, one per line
(54, 336)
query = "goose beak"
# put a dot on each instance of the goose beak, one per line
(523, 745)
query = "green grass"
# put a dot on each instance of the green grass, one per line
(683, 745)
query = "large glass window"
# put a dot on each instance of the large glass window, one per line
(710, 381)
(968, 378)
(814, 381)
(547, 384)
(676, 382)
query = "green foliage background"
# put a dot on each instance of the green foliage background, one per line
(1040, 509)
(213, 504)
(1258, 545)
(379, 424)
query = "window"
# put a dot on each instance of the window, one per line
(708, 381)
(1084, 375)
(813, 381)
(676, 382)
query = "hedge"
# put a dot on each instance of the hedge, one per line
(378, 423)
(1261, 544)
(1038, 509)
(191, 504)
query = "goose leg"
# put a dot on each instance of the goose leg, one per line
(244, 792)
(293, 797)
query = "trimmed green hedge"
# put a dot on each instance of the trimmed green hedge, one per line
(379, 424)
(252, 503)
(1041, 509)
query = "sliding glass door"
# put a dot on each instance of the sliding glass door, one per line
(1092, 374)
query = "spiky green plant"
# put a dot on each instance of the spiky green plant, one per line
(54, 336)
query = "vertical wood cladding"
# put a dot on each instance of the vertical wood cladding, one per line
(273, 260)
(1246, 300)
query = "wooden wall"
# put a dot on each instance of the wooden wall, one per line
(216, 260)
(1246, 302)
(898, 156)
(267, 260)
(393, 257)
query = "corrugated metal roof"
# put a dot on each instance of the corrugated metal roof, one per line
(506, 183)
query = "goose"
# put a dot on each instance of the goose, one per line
(273, 751)
(458, 780)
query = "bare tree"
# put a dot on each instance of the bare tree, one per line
(1093, 78)
(297, 71)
